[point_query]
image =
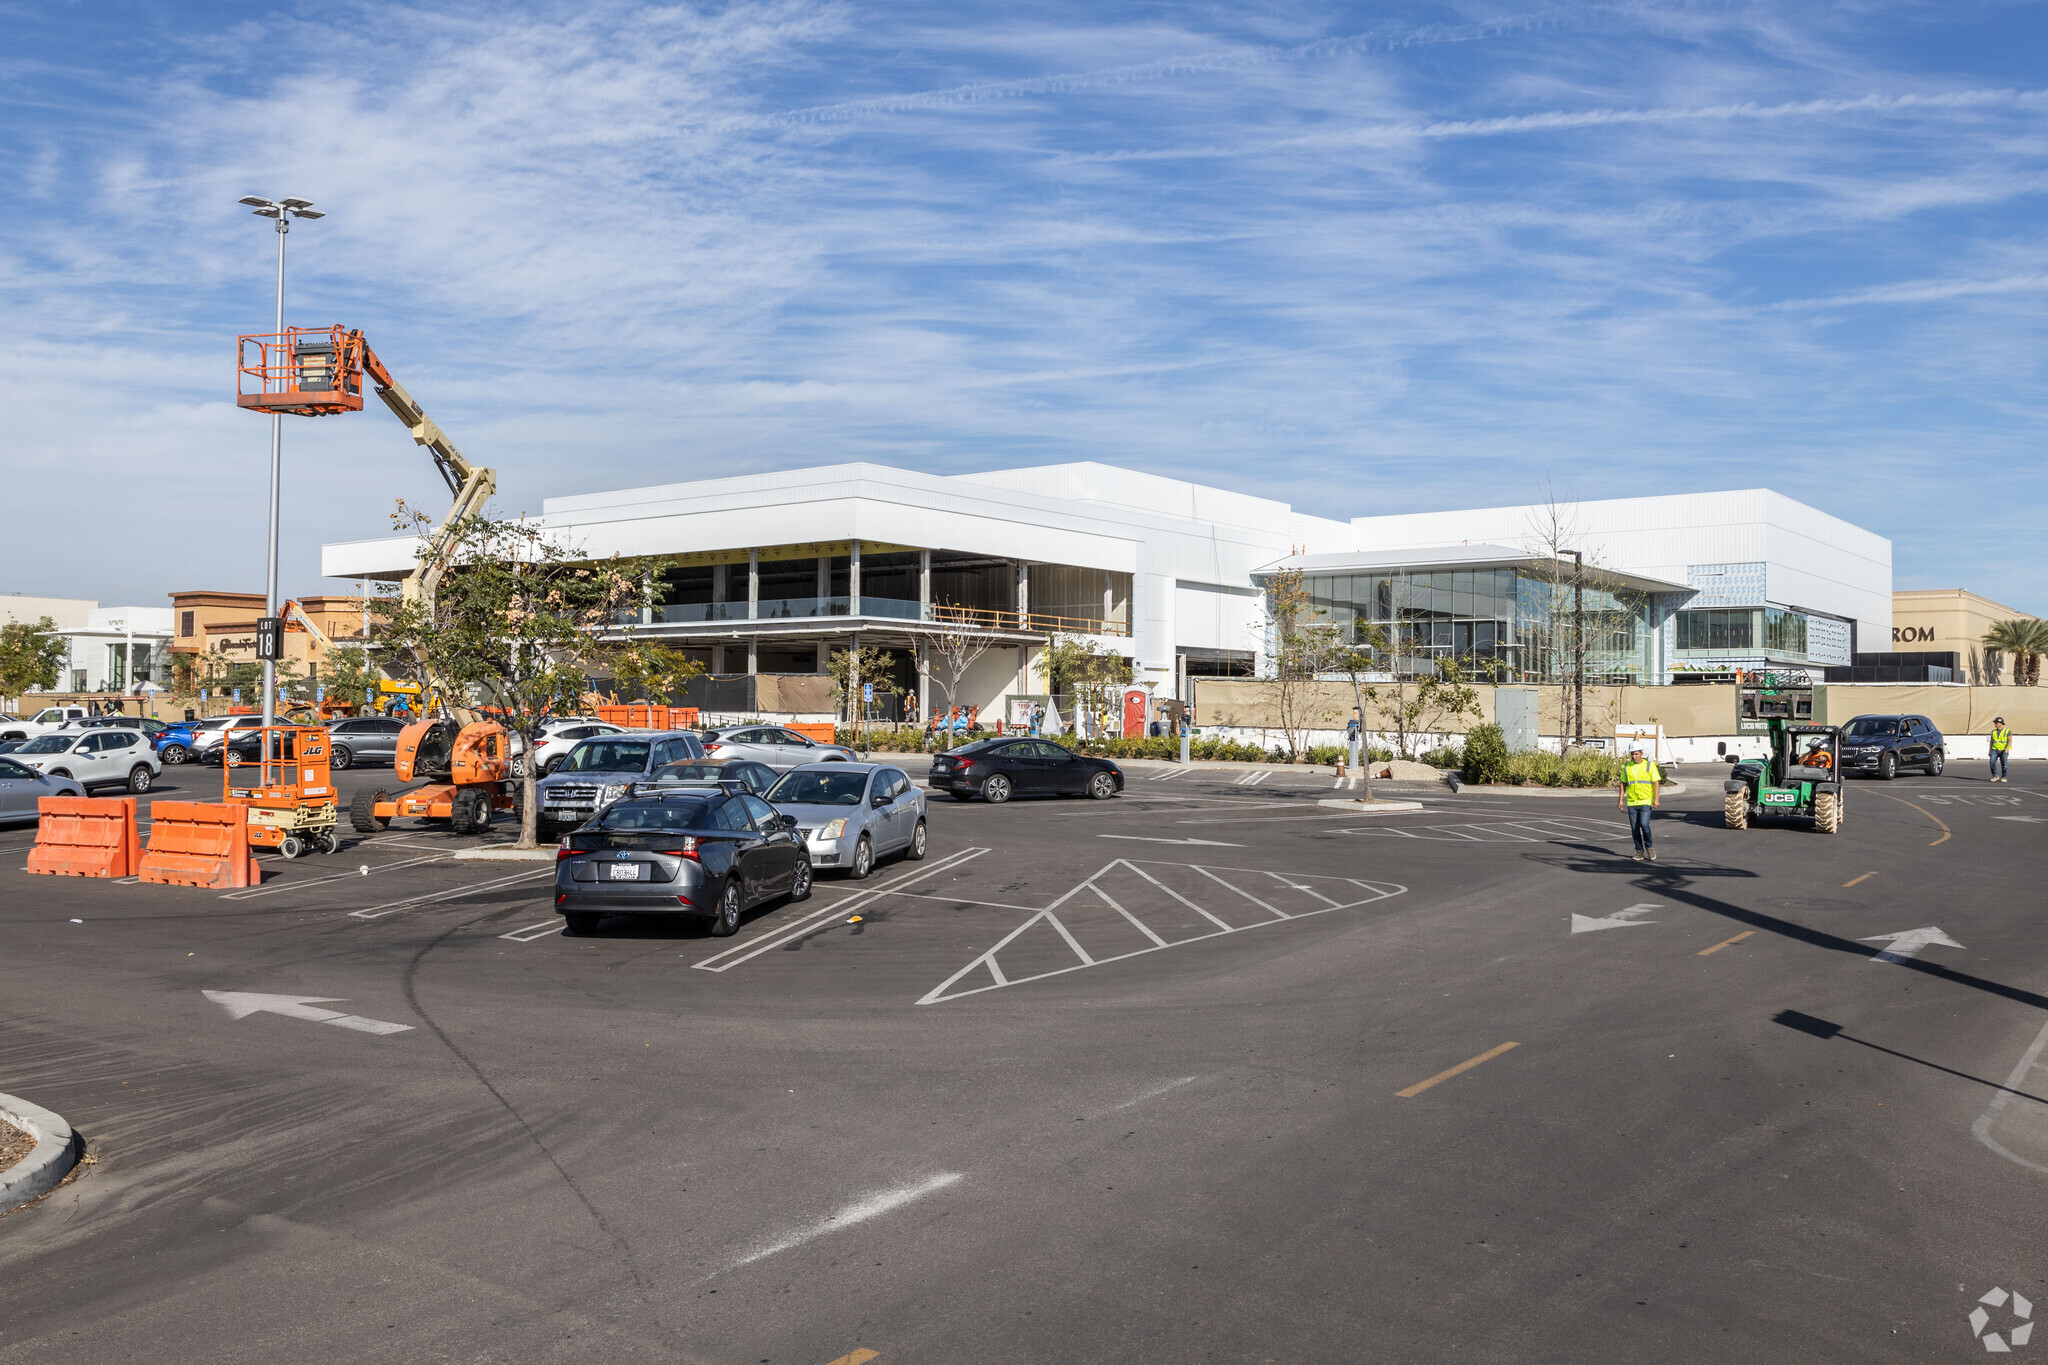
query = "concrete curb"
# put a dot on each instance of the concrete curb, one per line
(509, 855)
(1668, 789)
(1370, 807)
(56, 1151)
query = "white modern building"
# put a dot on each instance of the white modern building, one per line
(772, 571)
(117, 649)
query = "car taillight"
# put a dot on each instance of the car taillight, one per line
(565, 851)
(963, 763)
(713, 748)
(688, 850)
(682, 900)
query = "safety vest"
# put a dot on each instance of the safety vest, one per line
(2001, 738)
(1642, 780)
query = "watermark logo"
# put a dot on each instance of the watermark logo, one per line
(2011, 1336)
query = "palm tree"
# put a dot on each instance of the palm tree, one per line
(2025, 640)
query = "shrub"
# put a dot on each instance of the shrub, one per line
(1442, 756)
(1486, 755)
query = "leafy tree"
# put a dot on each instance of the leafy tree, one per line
(653, 671)
(31, 656)
(850, 668)
(2026, 640)
(351, 676)
(1079, 667)
(517, 623)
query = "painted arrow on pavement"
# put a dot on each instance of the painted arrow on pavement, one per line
(1142, 839)
(1620, 919)
(241, 1004)
(1909, 943)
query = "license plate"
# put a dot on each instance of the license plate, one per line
(625, 872)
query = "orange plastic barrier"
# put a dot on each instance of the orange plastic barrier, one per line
(820, 730)
(198, 843)
(648, 716)
(78, 836)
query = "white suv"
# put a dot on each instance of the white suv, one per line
(106, 757)
(43, 722)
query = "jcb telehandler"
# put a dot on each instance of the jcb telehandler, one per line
(1802, 777)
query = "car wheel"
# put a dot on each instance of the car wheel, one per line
(726, 922)
(553, 764)
(1887, 765)
(580, 922)
(915, 853)
(800, 880)
(341, 758)
(68, 778)
(291, 846)
(175, 754)
(1934, 764)
(1102, 786)
(139, 778)
(996, 790)
(362, 812)
(863, 860)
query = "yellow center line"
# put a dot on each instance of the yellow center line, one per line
(1945, 830)
(1726, 942)
(1864, 878)
(1442, 1076)
(859, 1357)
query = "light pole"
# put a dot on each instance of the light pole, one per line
(1578, 647)
(280, 211)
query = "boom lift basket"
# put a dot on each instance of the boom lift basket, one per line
(305, 371)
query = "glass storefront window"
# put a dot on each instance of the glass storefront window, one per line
(1717, 629)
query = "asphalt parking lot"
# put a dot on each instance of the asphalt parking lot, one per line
(1209, 1072)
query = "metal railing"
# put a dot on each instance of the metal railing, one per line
(988, 619)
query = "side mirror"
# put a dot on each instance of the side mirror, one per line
(878, 800)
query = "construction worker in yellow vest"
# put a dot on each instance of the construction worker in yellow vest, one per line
(1639, 779)
(2001, 750)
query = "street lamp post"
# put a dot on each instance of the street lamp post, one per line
(1578, 647)
(281, 211)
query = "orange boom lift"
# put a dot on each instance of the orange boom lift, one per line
(464, 759)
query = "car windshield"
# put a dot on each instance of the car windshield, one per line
(48, 744)
(819, 789)
(652, 815)
(606, 756)
(692, 772)
(1871, 727)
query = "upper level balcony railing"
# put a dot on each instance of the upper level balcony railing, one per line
(993, 619)
(901, 609)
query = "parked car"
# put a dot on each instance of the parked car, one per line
(850, 814)
(997, 769)
(1885, 744)
(93, 758)
(22, 788)
(208, 748)
(705, 853)
(600, 770)
(46, 721)
(754, 777)
(773, 745)
(174, 742)
(558, 738)
(364, 739)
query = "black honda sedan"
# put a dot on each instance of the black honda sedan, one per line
(997, 769)
(712, 854)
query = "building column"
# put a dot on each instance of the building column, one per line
(753, 597)
(824, 655)
(717, 660)
(719, 595)
(647, 599)
(824, 582)
(1109, 597)
(853, 584)
(924, 586)
(1023, 595)
(753, 658)
(924, 676)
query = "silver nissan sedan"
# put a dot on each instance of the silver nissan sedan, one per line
(852, 813)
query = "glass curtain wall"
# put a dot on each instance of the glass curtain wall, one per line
(1507, 624)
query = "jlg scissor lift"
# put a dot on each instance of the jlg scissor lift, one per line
(317, 372)
(287, 793)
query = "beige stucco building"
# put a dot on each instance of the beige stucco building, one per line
(1948, 621)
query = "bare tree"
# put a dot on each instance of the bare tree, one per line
(1585, 608)
(957, 647)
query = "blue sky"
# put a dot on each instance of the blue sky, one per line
(1365, 259)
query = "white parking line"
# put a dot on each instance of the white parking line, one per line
(534, 931)
(252, 892)
(775, 938)
(393, 907)
(1169, 774)
(1253, 779)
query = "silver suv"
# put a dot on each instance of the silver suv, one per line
(603, 768)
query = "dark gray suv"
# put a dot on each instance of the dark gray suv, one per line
(603, 768)
(365, 739)
(1885, 744)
